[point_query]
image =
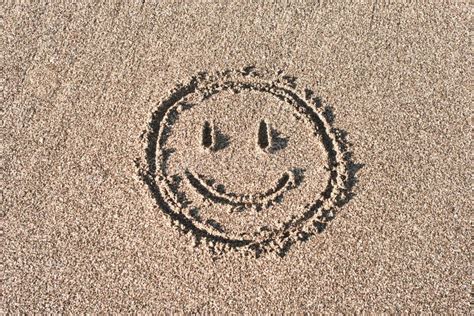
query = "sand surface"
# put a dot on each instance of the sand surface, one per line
(243, 158)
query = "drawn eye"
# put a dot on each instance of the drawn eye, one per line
(213, 138)
(263, 135)
(207, 135)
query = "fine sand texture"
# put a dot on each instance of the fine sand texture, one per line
(244, 158)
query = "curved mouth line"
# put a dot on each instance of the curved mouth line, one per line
(259, 200)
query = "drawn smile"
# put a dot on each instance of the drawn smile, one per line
(217, 193)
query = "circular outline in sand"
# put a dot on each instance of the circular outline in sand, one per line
(284, 89)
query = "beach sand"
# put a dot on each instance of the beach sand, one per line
(239, 158)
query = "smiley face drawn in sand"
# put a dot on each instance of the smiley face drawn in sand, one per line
(243, 161)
